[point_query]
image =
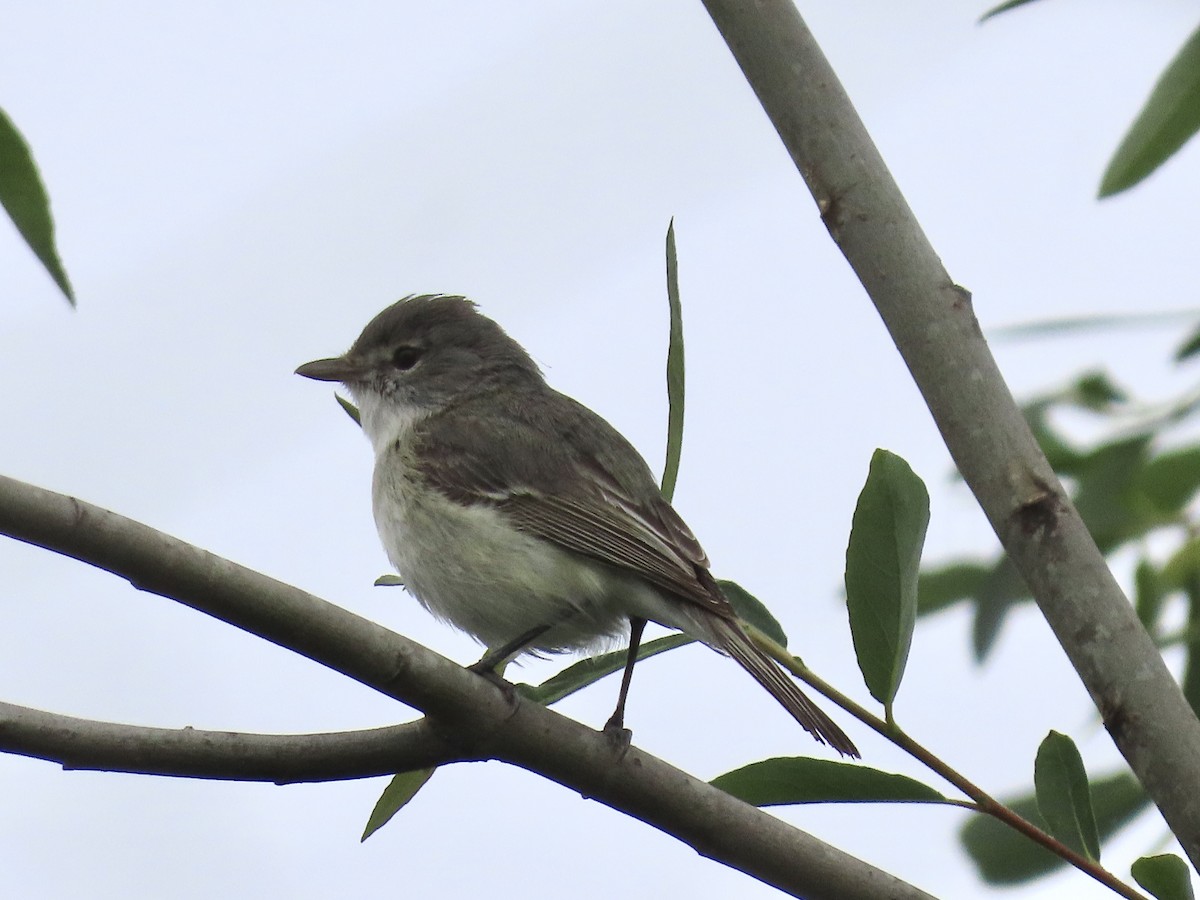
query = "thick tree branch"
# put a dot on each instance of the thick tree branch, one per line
(220, 755)
(932, 323)
(467, 714)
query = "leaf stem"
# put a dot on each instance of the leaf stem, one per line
(983, 801)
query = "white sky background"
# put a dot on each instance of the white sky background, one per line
(240, 187)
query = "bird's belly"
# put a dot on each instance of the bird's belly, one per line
(471, 568)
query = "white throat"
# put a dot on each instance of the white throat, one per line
(386, 421)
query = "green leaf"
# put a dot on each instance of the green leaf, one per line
(1063, 797)
(750, 609)
(1071, 325)
(1166, 876)
(788, 780)
(1097, 392)
(675, 379)
(943, 587)
(1004, 856)
(24, 198)
(1170, 480)
(1108, 494)
(349, 408)
(1189, 347)
(1182, 570)
(1063, 458)
(1190, 682)
(883, 562)
(592, 669)
(1003, 589)
(1169, 118)
(400, 790)
(389, 581)
(1148, 595)
(1003, 7)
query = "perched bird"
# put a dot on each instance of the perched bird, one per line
(519, 515)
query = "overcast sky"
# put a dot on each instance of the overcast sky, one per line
(239, 187)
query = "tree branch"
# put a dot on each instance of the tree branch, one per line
(468, 715)
(932, 323)
(220, 755)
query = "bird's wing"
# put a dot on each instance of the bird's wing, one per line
(570, 478)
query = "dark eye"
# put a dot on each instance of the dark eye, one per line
(406, 356)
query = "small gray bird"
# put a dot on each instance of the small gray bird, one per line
(519, 515)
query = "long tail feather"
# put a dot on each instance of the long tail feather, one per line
(731, 639)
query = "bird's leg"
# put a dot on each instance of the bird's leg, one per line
(615, 726)
(502, 655)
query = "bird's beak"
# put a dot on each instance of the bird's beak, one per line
(340, 368)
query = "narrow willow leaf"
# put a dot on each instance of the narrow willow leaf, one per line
(1004, 856)
(750, 609)
(1169, 118)
(349, 408)
(389, 581)
(1069, 325)
(883, 561)
(1166, 877)
(1003, 7)
(675, 372)
(591, 670)
(25, 200)
(400, 790)
(787, 780)
(1063, 797)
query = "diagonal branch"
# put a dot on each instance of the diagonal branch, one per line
(220, 755)
(468, 714)
(932, 323)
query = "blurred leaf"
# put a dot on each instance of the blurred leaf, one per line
(750, 609)
(1189, 347)
(947, 585)
(591, 670)
(675, 371)
(1003, 589)
(1166, 877)
(350, 409)
(1148, 595)
(1182, 569)
(1004, 856)
(1171, 479)
(25, 200)
(400, 790)
(1097, 392)
(882, 566)
(1063, 798)
(787, 780)
(1107, 494)
(1003, 7)
(1063, 458)
(1072, 325)
(1169, 118)
(1190, 682)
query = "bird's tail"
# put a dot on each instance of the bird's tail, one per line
(730, 638)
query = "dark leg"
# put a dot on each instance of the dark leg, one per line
(493, 658)
(616, 722)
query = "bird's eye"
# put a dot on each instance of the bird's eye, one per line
(405, 357)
